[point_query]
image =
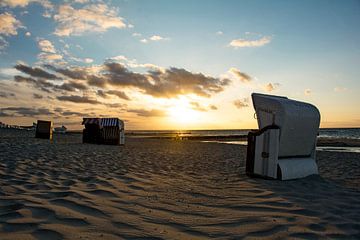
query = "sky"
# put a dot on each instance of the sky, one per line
(176, 64)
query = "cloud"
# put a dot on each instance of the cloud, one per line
(111, 76)
(148, 113)
(136, 34)
(46, 46)
(49, 87)
(49, 57)
(154, 38)
(8, 72)
(71, 86)
(40, 84)
(196, 106)
(9, 24)
(81, 1)
(307, 92)
(119, 94)
(213, 107)
(271, 87)
(26, 111)
(24, 3)
(6, 95)
(177, 81)
(2, 114)
(132, 63)
(118, 75)
(14, 3)
(243, 77)
(240, 43)
(49, 53)
(340, 89)
(158, 38)
(35, 72)
(78, 99)
(165, 83)
(37, 96)
(172, 82)
(3, 43)
(241, 103)
(116, 105)
(83, 60)
(219, 33)
(91, 18)
(88, 60)
(77, 73)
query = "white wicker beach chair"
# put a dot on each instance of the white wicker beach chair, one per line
(284, 147)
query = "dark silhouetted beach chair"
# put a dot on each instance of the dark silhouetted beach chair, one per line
(284, 147)
(44, 129)
(104, 131)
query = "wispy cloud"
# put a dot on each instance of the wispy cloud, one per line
(24, 3)
(340, 89)
(241, 42)
(154, 38)
(25, 111)
(48, 51)
(6, 94)
(46, 46)
(35, 72)
(158, 38)
(307, 92)
(9, 24)
(117, 93)
(46, 57)
(213, 107)
(148, 113)
(197, 106)
(243, 77)
(3, 43)
(136, 34)
(241, 103)
(91, 18)
(37, 96)
(219, 33)
(78, 99)
(271, 87)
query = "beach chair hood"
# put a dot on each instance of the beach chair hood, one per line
(284, 147)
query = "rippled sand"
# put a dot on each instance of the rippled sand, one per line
(165, 189)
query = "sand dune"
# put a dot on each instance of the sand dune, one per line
(164, 189)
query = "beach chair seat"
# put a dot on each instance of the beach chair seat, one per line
(284, 147)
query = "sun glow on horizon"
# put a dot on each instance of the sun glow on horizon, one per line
(181, 112)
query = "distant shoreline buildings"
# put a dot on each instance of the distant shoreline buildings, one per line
(61, 129)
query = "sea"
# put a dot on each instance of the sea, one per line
(335, 133)
(348, 133)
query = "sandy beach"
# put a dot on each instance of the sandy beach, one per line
(166, 189)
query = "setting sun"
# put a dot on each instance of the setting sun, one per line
(182, 112)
